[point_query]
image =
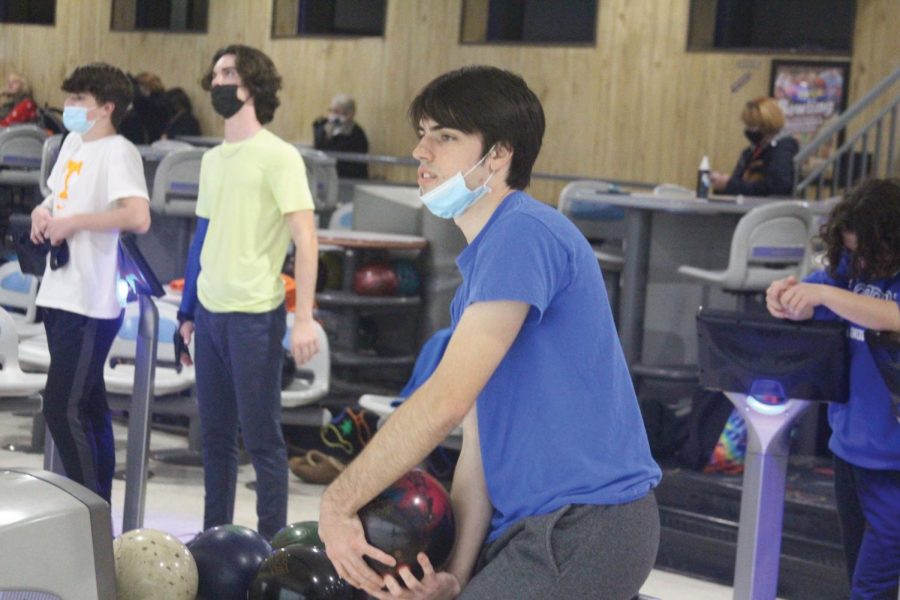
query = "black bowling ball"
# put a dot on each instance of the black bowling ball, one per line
(299, 573)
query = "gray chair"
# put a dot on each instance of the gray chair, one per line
(673, 190)
(603, 226)
(321, 172)
(21, 147)
(49, 153)
(176, 183)
(771, 242)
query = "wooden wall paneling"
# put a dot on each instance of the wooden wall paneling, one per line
(635, 106)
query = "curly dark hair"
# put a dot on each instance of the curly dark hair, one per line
(872, 212)
(105, 83)
(258, 74)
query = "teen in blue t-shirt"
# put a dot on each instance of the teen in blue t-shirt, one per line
(553, 489)
(861, 286)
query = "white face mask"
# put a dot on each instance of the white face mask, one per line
(453, 197)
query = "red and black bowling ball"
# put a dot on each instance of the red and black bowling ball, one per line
(375, 279)
(412, 515)
(299, 572)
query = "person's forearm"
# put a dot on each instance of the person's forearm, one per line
(865, 311)
(134, 218)
(471, 504)
(306, 270)
(408, 436)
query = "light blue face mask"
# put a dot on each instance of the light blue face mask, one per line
(453, 197)
(75, 119)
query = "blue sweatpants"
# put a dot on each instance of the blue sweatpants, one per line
(876, 539)
(75, 406)
(238, 365)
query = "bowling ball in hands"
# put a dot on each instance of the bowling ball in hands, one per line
(412, 515)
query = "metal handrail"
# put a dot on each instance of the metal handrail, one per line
(828, 132)
(864, 131)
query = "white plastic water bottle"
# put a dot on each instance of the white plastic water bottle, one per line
(703, 178)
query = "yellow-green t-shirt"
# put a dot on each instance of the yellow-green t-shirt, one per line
(245, 190)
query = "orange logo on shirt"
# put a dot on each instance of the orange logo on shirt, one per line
(73, 167)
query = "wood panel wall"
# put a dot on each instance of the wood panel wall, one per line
(637, 106)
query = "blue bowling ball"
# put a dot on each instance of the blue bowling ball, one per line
(228, 557)
(408, 279)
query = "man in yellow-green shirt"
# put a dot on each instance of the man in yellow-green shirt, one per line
(253, 200)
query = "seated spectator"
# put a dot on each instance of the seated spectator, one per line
(149, 113)
(17, 104)
(766, 166)
(181, 118)
(339, 132)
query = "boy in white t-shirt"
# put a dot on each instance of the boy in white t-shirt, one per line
(97, 190)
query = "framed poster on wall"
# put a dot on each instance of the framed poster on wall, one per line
(812, 94)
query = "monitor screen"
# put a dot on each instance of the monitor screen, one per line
(135, 275)
(773, 359)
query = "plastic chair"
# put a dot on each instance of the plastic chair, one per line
(18, 293)
(770, 242)
(176, 183)
(603, 226)
(21, 148)
(49, 153)
(170, 379)
(342, 217)
(321, 172)
(13, 381)
(171, 145)
(303, 391)
(426, 362)
(673, 190)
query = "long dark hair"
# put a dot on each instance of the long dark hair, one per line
(258, 74)
(872, 212)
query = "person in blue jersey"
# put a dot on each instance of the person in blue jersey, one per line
(861, 286)
(553, 491)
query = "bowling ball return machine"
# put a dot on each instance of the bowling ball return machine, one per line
(772, 371)
(55, 535)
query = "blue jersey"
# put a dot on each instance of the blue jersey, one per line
(558, 420)
(865, 432)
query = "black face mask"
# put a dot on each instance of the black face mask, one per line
(755, 137)
(225, 100)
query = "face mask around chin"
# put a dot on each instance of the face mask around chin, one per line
(453, 197)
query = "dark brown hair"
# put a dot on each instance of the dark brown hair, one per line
(872, 212)
(491, 102)
(258, 75)
(105, 83)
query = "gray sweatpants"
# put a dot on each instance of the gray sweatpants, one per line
(579, 551)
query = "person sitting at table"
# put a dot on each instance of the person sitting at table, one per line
(340, 133)
(17, 105)
(149, 113)
(766, 166)
(182, 120)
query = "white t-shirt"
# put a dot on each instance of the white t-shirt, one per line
(86, 178)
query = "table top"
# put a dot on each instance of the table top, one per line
(347, 238)
(686, 204)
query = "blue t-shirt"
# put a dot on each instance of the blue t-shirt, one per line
(558, 420)
(865, 432)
